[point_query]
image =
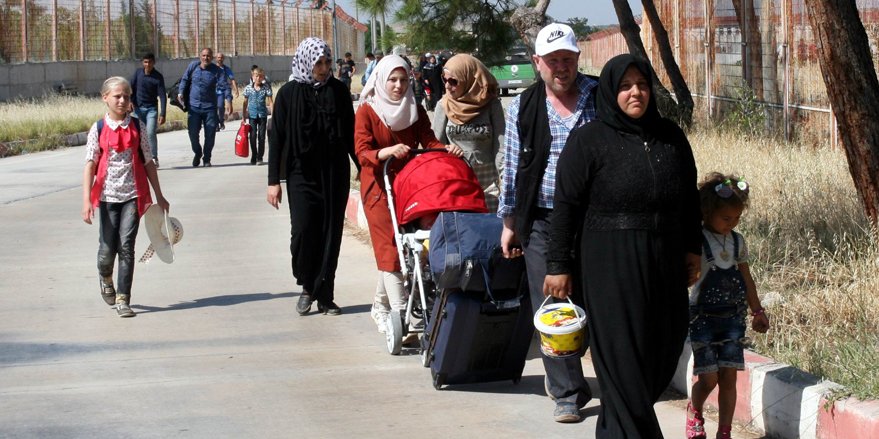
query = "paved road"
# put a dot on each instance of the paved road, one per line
(216, 349)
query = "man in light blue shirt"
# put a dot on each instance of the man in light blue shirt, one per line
(371, 61)
(203, 78)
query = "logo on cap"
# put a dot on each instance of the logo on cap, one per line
(554, 35)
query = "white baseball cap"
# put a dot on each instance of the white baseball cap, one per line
(555, 36)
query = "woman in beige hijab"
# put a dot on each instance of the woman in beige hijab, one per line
(470, 116)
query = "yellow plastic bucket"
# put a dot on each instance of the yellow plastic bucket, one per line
(562, 329)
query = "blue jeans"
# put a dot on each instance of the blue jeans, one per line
(195, 120)
(149, 116)
(221, 109)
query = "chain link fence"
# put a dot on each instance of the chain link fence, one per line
(88, 30)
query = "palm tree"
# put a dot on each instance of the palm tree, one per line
(376, 8)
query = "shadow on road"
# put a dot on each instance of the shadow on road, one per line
(225, 300)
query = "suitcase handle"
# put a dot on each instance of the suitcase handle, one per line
(499, 304)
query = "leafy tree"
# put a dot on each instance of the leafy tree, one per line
(581, 26)
(461, 25)
(384, 41)
(377, 8)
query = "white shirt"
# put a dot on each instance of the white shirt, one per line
(718, 244)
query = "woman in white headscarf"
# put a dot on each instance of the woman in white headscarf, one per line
(311, 139)
(388, 123)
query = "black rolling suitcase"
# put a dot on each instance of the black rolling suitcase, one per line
(472, 339)
(481, 327)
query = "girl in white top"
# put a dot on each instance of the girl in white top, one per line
(719, 302)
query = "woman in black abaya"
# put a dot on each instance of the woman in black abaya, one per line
(627, 220)
(311, 139)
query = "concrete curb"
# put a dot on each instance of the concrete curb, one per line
(775, 398)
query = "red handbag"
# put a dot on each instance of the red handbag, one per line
(242, 142)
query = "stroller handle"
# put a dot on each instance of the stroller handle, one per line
(412, 153)
(388, 188)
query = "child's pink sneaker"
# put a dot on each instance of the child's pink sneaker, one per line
(724, 432)
(696, 424)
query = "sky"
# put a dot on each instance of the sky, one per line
(598, 12)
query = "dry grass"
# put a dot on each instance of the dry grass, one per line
(52, 114)
(813, 255)
(41, 121)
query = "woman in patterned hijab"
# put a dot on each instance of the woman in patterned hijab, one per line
(311, 139)
(308, 53)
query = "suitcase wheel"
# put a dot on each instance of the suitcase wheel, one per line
(438, 380)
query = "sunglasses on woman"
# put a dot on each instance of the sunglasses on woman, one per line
(451, 81)
(725, 189)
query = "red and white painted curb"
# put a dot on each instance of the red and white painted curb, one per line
(780, 400)
(354, 211)
(785, 402)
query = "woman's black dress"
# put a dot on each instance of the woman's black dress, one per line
(311, 140)
(628, 210)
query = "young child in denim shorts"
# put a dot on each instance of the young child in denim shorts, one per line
(720, 302)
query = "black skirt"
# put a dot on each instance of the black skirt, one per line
(634, 286)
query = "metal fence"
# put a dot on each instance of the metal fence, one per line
(754, 51)
(80, 30)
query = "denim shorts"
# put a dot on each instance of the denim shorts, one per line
(717, 341)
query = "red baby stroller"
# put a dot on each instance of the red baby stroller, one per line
(433, 181)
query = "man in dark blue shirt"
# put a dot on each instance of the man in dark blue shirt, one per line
(147, 84)
(202, 78)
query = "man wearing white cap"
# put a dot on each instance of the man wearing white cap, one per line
(538, 123)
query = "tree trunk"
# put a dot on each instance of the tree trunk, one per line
(374, 32)
(632, 33)
(528, 21)
(383, 40)
(770, 55)
(752, 58)
(682, 92)
(853, 89)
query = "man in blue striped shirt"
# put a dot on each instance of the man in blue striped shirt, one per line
(203, 78)
(537, 126)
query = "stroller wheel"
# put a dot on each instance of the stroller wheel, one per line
(394, 333)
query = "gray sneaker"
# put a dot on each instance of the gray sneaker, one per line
(566, 412)
(123, 310)
(108, 291)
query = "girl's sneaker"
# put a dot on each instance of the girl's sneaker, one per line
(695, 423)
(724, 432)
